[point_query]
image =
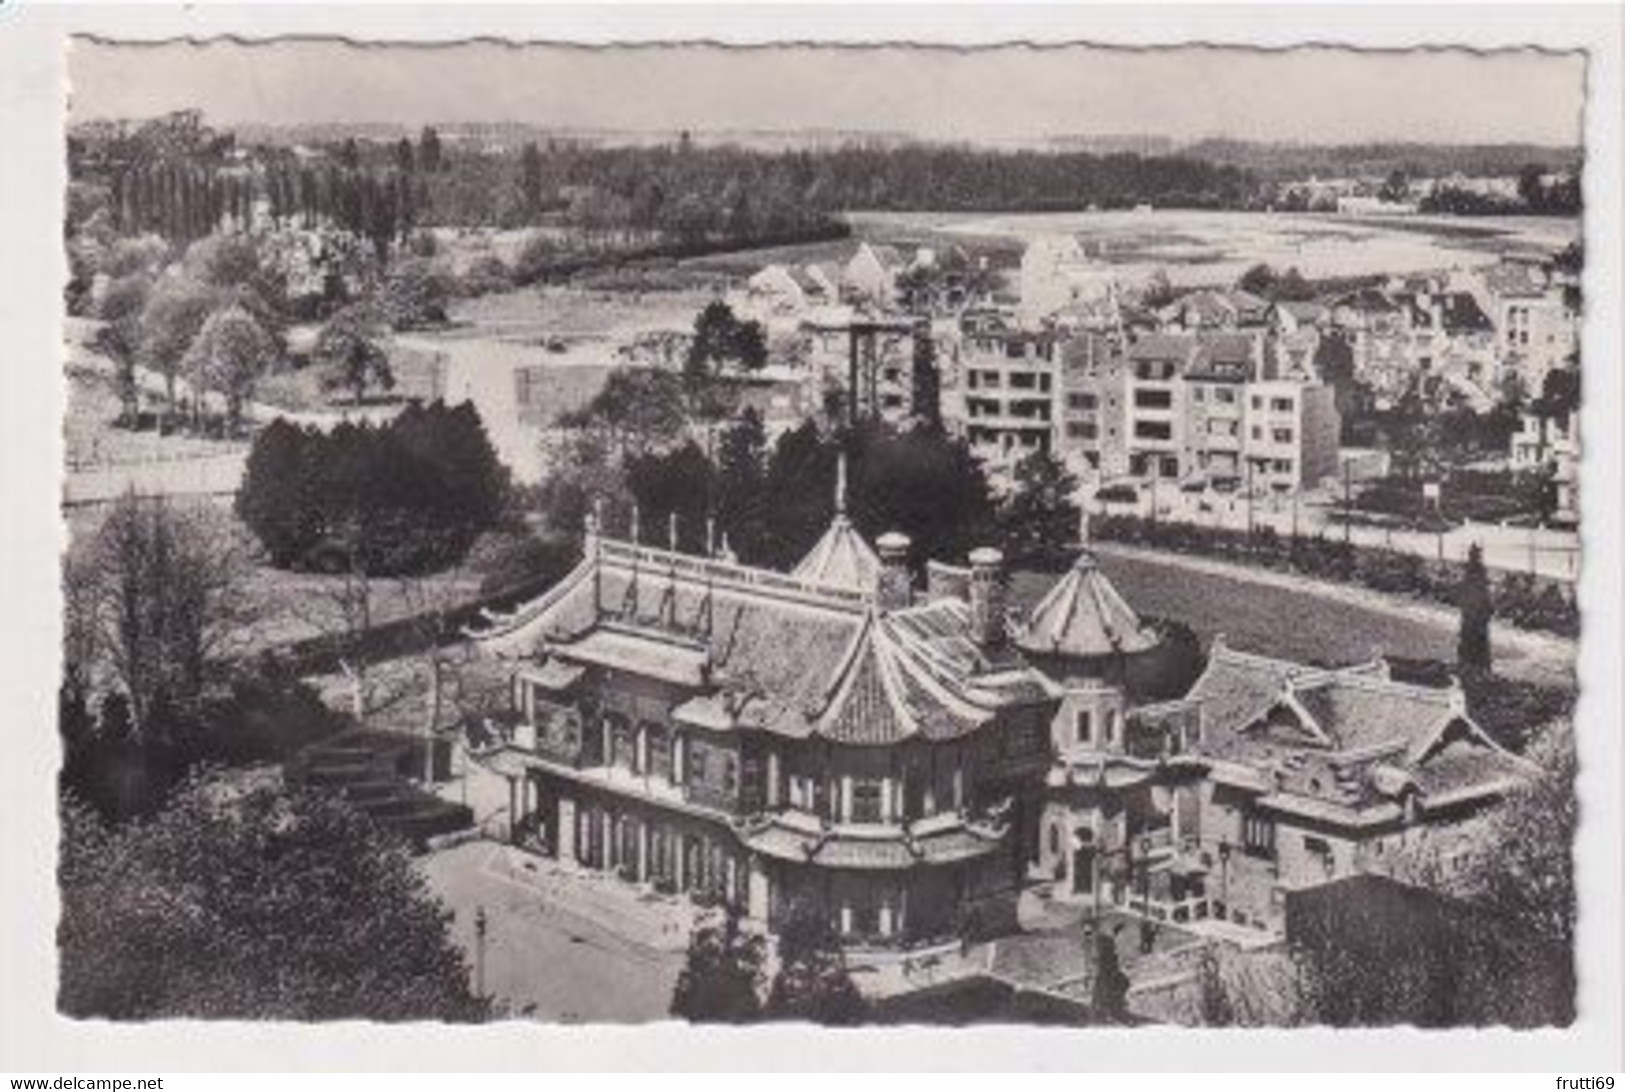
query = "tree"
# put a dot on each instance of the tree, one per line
(350, 353)
(812, 982)
(174, 312)
(1040, 516)
(1395, 188)
(1532, 186)
(1258, 279)
(639, 407)
(927, 381)
(229, 355)
(429, 150)
(720, 982)
(245, 901)
(1474, 601)
(672, 484)
(721, 338)
(274, 500)
(741, 503)
(415, 294)
(1108, 998)
(1529, 877)
(159, 591)
(530, 180)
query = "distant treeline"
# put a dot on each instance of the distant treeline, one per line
(1298, 162)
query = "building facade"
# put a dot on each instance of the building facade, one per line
(778, 743)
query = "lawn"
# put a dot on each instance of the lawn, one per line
(93, 440)
(1274, 621)
(575, 313)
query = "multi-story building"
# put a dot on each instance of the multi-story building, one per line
(1216, 385)
(1093, 392)
(1005, 382)
(1291, 435)
(1535, 329)
(824, 740)
(1154, 405)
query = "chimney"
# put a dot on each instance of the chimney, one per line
(987, 596)
(893, 589)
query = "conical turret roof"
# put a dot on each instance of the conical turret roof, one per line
(1084, 616)
(841, 557)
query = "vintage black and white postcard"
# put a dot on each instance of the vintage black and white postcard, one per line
(851, 533)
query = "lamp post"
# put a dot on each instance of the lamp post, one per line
(1224, 875)
(480, 926)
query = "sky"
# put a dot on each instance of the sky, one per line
(1308, 95)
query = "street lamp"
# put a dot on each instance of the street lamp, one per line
(480, 926)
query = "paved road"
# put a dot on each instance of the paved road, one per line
(569, 967)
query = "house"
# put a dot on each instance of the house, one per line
(1056, 271)
(870, 275)
(1550, 444)
(828, 740)
(1268, 777)
(1216, 309)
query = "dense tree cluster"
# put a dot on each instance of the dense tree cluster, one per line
(407, 496)
(243, 901)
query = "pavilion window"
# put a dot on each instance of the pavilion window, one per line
(868, 801)
(1258, 836)
(658, 749)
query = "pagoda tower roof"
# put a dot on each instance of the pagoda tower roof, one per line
(1083, 616)
(841, 557)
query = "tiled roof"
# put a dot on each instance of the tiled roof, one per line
(1179, 347)
(792, 657)
(1367, 299)
(1237, 688)
(840, 557)
(847, 850)
(1513, 279)
(1084, 616)
(1261, 712)
(1357, 712)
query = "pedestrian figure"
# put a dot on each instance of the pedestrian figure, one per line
(1148, 937)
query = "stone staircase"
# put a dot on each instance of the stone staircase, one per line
(373, 770)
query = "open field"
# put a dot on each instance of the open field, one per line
(572, 313)
(93, 441)
(1202, 247)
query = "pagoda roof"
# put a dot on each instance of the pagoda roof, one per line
(1083, 616)
(840, 557)
(772, 651)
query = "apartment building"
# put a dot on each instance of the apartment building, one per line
(1291, 434)
(1006, 386)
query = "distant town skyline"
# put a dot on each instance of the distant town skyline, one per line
(1010, 93)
